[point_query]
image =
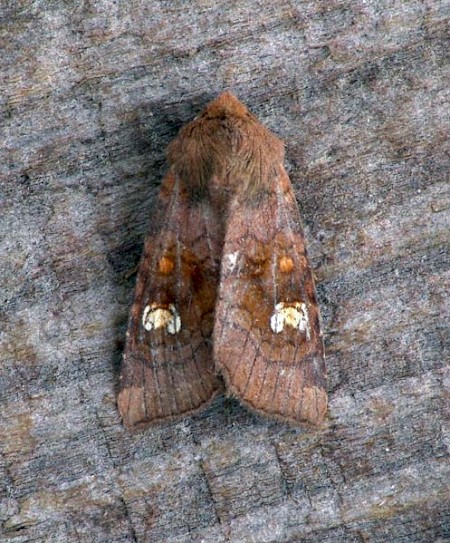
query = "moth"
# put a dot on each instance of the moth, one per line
(225, 296)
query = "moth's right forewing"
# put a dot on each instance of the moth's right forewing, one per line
(267, 336)
(167, 370)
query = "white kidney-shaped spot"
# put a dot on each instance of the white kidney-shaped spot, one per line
(293, 314)
(155, 317)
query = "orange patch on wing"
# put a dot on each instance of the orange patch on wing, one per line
(165, 265)
(286, 264)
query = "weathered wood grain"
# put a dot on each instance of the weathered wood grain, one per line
(91, 94)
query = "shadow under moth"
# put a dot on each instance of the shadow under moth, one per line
(224, 295)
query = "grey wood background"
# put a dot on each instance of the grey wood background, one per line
(91, 94)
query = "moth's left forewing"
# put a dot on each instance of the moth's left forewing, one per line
(167, 370)
(267, 336)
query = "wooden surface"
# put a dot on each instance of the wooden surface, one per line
(91, 94)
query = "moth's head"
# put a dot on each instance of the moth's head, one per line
(225, 105)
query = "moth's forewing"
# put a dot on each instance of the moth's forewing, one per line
(167, 369)
(267, 335)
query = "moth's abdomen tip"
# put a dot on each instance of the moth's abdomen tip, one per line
(226, 104)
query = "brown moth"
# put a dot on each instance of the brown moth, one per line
(224, 292)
